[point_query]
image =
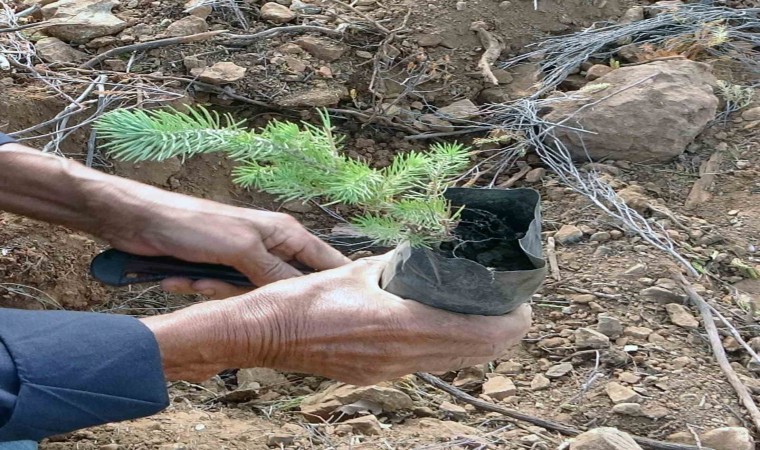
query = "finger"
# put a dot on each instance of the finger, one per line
(318, 255)
(218, 290)
(263, 268)
(179, 286)
(370, 269)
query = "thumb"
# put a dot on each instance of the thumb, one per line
(371, 268)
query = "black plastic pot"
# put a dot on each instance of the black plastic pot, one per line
(432, 277)
(465, 286)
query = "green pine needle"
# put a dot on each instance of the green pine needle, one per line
(402, 202)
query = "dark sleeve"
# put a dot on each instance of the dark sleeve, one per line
(61, 371)
(5, 139)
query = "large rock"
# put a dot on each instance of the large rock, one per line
(324, 404)
(588, 338)
(604, 439)
(54, 50)
(728, 438)
(651, 122)
(82, 20)
(276, 13)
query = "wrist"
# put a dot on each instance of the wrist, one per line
(202, 340)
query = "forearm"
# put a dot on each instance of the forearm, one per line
(61, 191)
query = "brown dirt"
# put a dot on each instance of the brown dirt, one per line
(41, 263)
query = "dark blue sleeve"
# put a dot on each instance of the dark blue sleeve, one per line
(62, 370)
(5, 139)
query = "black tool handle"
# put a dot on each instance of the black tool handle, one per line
(116, 268)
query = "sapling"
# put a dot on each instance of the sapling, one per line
(402, 202)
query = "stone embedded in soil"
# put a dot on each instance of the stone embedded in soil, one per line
(280, 439)
(671, 108)
(433, 122)
(452, 411)
(604, 439)
(266, 378)
(568, 234)
(187, 26)
(640, 333)
(447, 428)
(324, 404)
(751, 114)
(582, 299)
(81, 20)
(633, 14)
(540, 382)
(54, 50)
(321, 48)
(553, 342)
(470, 377)
(276, 13)
(588, 338)
(429, 40)
(198, 8)
(628, 409)
(499, 387)
(316, 97)
(628, 377)
(681, 316)
(535, 175)
(597, 71)
(366, 425)
(609, 326)
(460, 110)
(661, 295)
(509, 368)
(220, 73)
(600, 236)
(621, 394)
(559, 370)
(726, 438)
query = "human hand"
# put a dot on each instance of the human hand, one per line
(337, 324)
(260, 244)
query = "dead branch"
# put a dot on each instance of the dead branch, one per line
(272, 32)
(720, 353)
(551, 254)
(363, 16)
(699, 192)
(493, 48)
(524, 169)
(598, 294)
(548, 424)
(142, 46)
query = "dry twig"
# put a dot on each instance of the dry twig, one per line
(150, 45)
(551, 254)
(548, 424)
(492, 49)
(720, 353)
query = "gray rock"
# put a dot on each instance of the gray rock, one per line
(187, 26)
(276, 13)
(81, 20)
(535, 175)
(751, 114)
(559, 370)
(600, 236)
(597, 71)
(54, 50)
(280, 440)
(321, 48)
(609, 326)
(633, 14)
(638, 332)
(671, 108)
(568, 234)
(509, 368)
(628, 409)
(661, 295)
(452, 411)
(588, 338)
(604, 439)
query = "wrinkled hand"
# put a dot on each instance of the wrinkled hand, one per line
(260, 244)
(337, 324)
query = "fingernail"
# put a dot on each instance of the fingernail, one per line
(209, 292)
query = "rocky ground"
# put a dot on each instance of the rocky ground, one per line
(616, 347)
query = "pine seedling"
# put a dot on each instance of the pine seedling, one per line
(400, 203)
